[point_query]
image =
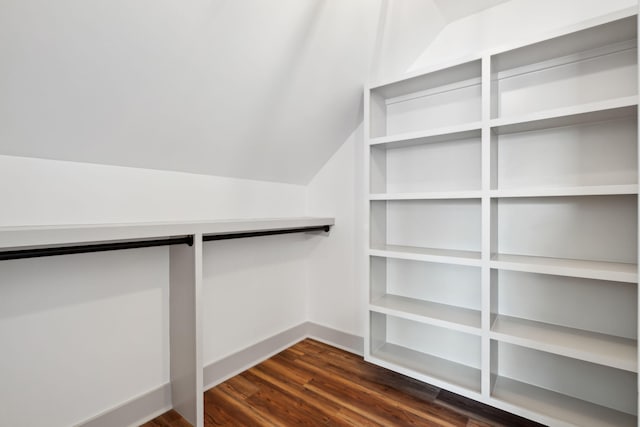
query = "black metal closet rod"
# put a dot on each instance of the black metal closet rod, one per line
(135, 244)
(211, 237)
(98, 247)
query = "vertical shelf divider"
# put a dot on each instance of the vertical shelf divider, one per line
(487, 171)
(366, 204)
(185, 272)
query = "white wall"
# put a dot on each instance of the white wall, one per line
(37, 191)
(218, 87)
(253, 289)
(405, 27)
(336, 291)
(83, 333)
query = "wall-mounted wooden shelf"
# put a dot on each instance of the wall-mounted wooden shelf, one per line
(502, 218)
(185, 281)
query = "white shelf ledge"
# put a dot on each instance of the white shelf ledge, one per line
(434, 370)
(40, 236)
(447, 316)
(446, 256)
(432, 195)
(568, 116)
(558, 409)
(593, 347)
(614, 271)
(443, 134)
(591, 190)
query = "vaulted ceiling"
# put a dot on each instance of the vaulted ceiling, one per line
(252, 89)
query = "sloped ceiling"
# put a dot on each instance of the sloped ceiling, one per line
(252, 89)
(456, 9)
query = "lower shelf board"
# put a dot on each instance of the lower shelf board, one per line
(448, 316)
(615, 271)
(432, 369)
(593, 347)
(557, 408)
(449, 256)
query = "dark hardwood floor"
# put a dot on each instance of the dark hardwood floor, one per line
(315, 384)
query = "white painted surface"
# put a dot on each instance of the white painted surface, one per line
(252, 289)
(439, 224)
(447, 316)
(454, 285)
(559, 409)
(431, 167)
(405, 28)
(558, 300)
(515, 21)
(185, 330)
(81, 334)
(622, 272)
(433, 370)
(599, 74)
(579, 220)
(470, 258)
(336, 288)
(46, 192)
(454, 10)
(213, 87)
(573, 378)
(22, 237)
(602, 349)
(598, 228)
(444, 343)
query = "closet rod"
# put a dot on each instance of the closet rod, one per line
(211, 237)
(98, 247)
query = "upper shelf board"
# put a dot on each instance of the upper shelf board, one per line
(444, 134)
(41, 236)
(569, 116)
(579, 41)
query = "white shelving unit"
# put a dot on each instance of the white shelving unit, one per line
(185, 281)
(502, 218)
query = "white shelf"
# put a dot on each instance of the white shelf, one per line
(448, 316)
(558, 409)
(428, 368)
(433, 195)
(586, 190)
(577, 114)
(591, 190)
(593, 347)
(464, 61)
(443, 134)
(36, 236)
(447, 256)
(535, 155)
(614, 271)
(184, 272)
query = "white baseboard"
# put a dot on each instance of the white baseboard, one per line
(223, 369)
(232, 365)
(135, 411)
(345, 341)
(148, 406)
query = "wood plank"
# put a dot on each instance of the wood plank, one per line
(287, 409)
(488, 413)
(312, 383)
(168, 419)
